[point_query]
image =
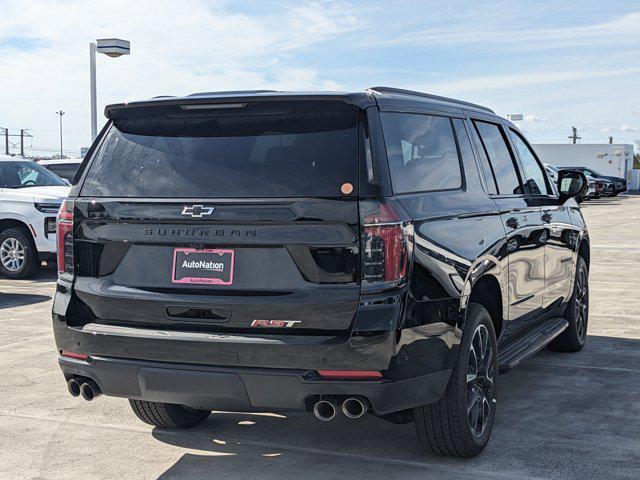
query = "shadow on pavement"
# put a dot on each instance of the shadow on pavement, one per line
(46, 273)
(557, 418)
(9, 300)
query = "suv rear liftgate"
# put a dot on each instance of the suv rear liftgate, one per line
(214, 258)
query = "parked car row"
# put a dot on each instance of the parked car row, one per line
(599, 185)
(30, 196)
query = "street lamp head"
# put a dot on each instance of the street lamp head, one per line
(113, 47)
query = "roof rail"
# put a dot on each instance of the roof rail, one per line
(402, 91)
(229, 92)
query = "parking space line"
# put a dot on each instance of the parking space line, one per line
(616, 315)
(312, 451)
(586, 367)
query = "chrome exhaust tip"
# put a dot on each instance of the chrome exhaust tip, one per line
(324, 410)
(354, 407)
(74, 387)
(90, 390)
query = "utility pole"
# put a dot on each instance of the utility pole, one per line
(23, 134)
(60, 113)
(6, 140)
(574, 135)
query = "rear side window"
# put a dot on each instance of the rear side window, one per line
(534, 181)
(262, 149)
(502, 164)
(487, 170)
(422, 152)
(66, 171)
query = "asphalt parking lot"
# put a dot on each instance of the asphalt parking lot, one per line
(560, 416)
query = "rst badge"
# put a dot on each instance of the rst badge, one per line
(275, 323)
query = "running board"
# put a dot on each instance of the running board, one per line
(531, 343)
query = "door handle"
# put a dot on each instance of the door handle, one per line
(547, 217)
(513, 223)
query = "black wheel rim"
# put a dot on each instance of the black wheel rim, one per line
(581, 305)
(480, 380)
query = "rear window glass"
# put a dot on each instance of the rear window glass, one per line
(261, 149)
(422, 152)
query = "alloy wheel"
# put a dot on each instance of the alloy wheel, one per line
(12, 254)
(581, 304)
(480, 381)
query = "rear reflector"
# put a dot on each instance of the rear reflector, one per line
(349, 374)
(77, 356)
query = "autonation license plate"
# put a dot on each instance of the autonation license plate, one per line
(210, 267)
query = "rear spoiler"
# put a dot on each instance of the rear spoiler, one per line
(361, 100)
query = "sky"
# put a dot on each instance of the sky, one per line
(561, 64)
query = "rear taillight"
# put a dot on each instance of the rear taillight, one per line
(64, 236)
(384, 244)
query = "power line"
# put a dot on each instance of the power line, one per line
(574, 135)
(23, 134)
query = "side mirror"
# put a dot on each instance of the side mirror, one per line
(572, 184)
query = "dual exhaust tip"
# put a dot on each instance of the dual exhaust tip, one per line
(352, 407)
(86, 388)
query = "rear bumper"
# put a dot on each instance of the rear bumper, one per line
(275, 372)
(246, 389)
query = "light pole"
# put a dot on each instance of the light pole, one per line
(60, 113)
(113, 47)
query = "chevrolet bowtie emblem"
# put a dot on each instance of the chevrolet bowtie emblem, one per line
(197, 211)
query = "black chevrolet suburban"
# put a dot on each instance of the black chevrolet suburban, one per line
(385, 252)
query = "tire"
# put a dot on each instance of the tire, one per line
(577, 314)
(18, 241)
(444, 427)
(168, 415)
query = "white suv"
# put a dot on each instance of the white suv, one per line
(30, 196)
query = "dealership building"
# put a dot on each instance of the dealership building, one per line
(605, 158)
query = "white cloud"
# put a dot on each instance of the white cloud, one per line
(500, 33)
(176, 48)
(534, 118)
(493, 82)
(629, 128)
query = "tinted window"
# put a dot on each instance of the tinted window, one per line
(262, 149)
(500, 158)
(422, 152)
(487, 170)
(534, 181)
(66, 171)
(25, 174)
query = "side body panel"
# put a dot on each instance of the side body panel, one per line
(459, 238)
